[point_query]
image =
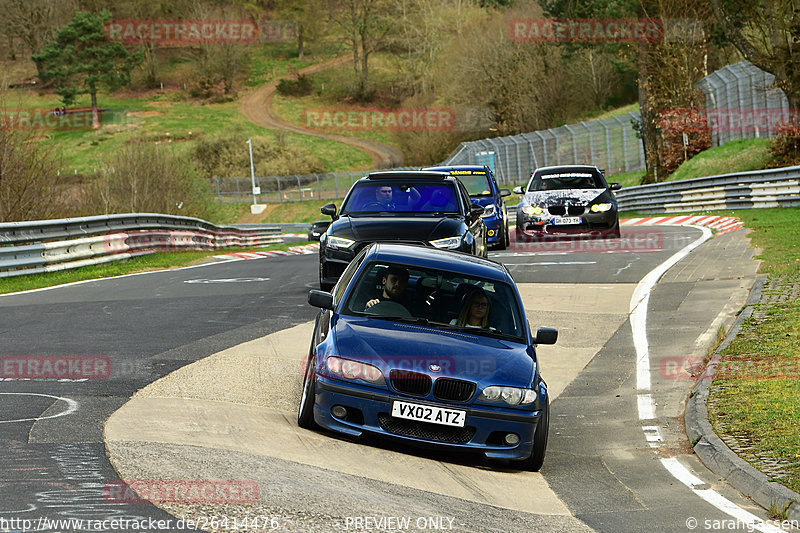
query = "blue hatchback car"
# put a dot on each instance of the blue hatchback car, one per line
(430, 347)
(483, 190)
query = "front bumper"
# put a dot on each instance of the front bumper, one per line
(369, 411)
(494, 229)
(333, 262)
(537, 225)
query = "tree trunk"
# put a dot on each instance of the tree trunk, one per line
(150, 64)
(95, 111)
(300, 41)
(649, 116)
(12, 55)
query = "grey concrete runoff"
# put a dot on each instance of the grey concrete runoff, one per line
(716, 455)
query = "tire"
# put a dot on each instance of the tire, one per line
(614, 233)
(502, 239)
(506, 236)
(535, 461)
(305, 411)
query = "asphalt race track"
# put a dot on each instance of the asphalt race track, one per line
(228, 339)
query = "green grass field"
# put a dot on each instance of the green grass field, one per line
(758, 398)
(735, 156)
(172, 117)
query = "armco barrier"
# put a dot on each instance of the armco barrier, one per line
(50, 245)
(778, 187)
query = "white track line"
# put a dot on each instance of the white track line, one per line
(646, 406)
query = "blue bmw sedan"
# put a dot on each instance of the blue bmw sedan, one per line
(430, 347)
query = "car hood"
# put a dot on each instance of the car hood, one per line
(563, 197)
(397, 345)
(396, 228)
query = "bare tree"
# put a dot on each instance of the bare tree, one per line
(522, 85)
(220, 62)
(426, 26)
(367, 25)
(27, 175)
(766, 33)
(146, 178)
(33, 22)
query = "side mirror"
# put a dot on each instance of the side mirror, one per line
(329, 209)
(505, 192)
(475, 210)
(615, 186)
(545, 336)
(321, 299)
(518, 190)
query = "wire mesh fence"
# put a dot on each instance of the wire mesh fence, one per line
(609, 143)
(273, 189)
(742, 103)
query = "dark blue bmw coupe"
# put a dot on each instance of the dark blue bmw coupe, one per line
(431, 347)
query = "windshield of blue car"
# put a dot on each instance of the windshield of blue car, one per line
(408, 197)
(566, 180)
(439, 299)
(476, 181)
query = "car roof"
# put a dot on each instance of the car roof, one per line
(427, 257)
(456, 167)
(563, 167)
(406, 174)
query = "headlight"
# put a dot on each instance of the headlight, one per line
(448, 244)
(488, 211)
(509, 395)
(345, 368)
(532, 210)
(600, 208)
(340, 243)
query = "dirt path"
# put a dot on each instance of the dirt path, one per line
(256, 106)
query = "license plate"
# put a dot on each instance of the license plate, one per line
(429, 413)
(566, 220)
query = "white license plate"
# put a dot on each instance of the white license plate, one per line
(566, 220)
(429, 413)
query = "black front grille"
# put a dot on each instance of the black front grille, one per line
(572, 210)
(426, 431)
(454, 390)
(410, 382)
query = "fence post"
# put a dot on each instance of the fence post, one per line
(280, 193)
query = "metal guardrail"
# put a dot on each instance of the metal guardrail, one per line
(778, 187)
(50, 245)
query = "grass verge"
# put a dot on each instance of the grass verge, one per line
(145, 263)
(735, 156)
(756, 398)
